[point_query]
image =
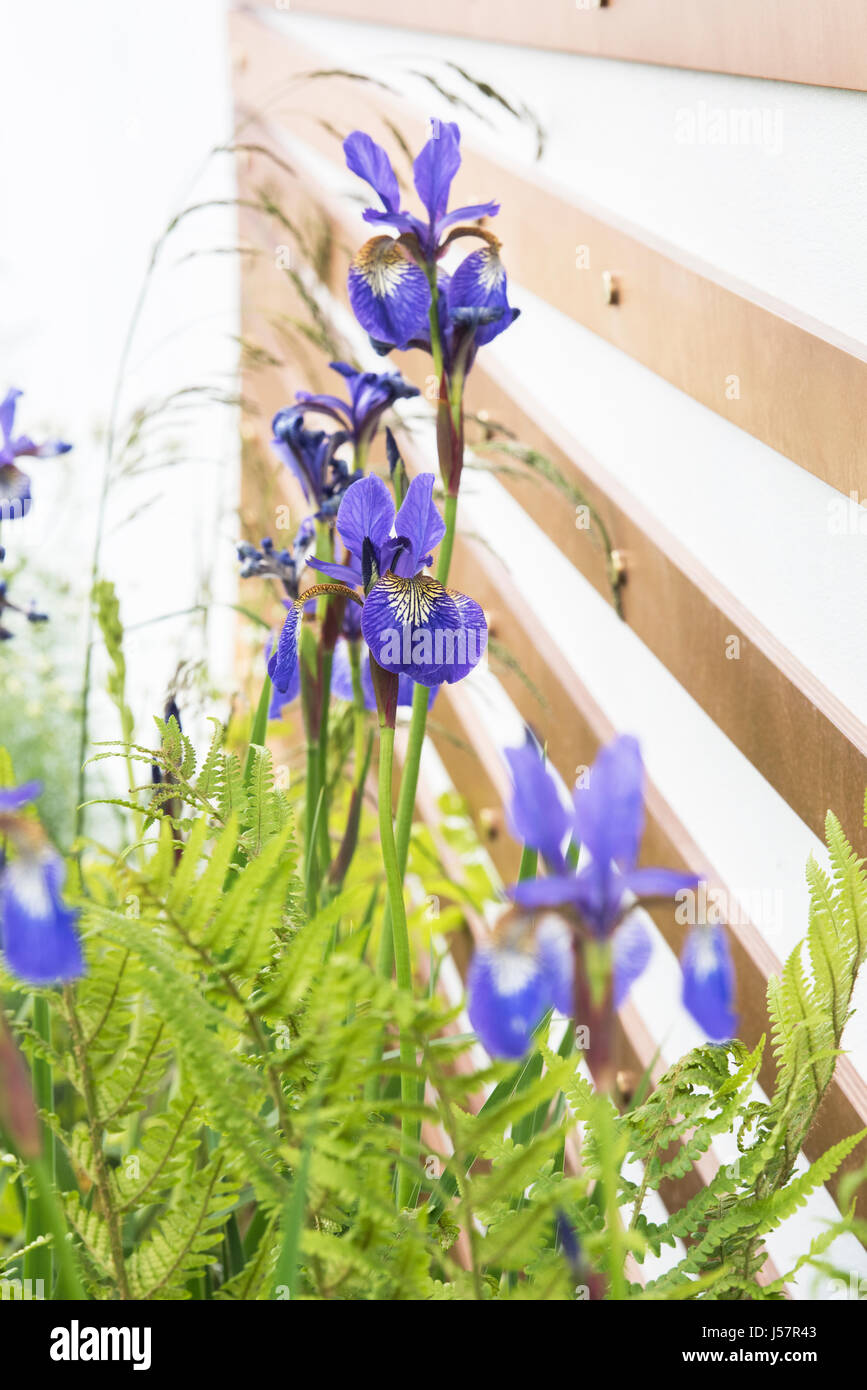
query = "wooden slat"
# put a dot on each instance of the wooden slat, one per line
(799, 736)
(823, 42)
(802, 386)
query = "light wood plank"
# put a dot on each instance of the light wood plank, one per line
(823, 43)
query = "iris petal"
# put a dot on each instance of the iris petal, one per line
(389, 295)
(366, 513)
(556, 891)
(345, 573)
(281, 698)
(536, 812)
(7, 412)
(480, 283)
(658, 883)
(632, 947)
(303, 451)
(509, 994)
(609, 812)
(435, 168)
(38, 930)
(468, 214)
(371, 163)
(474, 639)
(413, 626)
(341, 675)
(557, 958)
(709, 981)
(401, 221)
(419, 522)
(283, 664)
(13, 798)
(51, 448)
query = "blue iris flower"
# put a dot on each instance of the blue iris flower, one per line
(37, 930)
(286, 565)
(412, 624)
(434, 171)
(312, 455)
(607, 818)
(390, 277)
(15, 498)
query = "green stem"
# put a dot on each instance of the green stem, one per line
(68, 1282)
(324, 551)
(38, 1264)
(359, 713)
(286, 1275)
(412, 761)
(324, 842)
(403, 960)
(308, 658)
(259, 731)
(258, 734)
(447, 545)
(434, 320)
(311, 800)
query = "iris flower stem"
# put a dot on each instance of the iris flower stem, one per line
(594, 1005)
(403, 961)
(259, 730)
(311, 803)
(434, 320)
(69, 1285)
(324, 842)
(38, 1264)
(359, 713)
(417, 729)
(308, 658)
(324, 551)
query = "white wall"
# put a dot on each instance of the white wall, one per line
(107, 116)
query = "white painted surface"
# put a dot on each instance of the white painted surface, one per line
(107, 117)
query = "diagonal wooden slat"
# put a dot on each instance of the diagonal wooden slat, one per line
(826, 46)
